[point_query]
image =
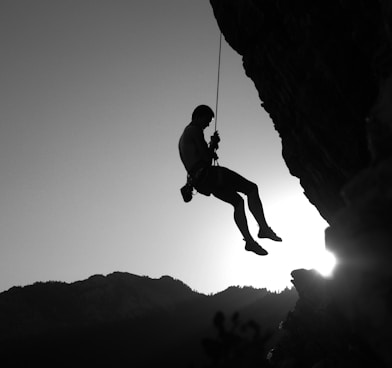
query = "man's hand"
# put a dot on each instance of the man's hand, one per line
(215, 139)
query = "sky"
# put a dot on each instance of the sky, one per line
(95, 95)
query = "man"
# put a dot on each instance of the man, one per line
(223, 183)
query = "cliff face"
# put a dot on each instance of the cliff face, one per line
(323, 73)
(317, 67)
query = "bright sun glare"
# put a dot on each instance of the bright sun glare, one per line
(303, 246)
(325, 263)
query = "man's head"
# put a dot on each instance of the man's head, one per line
(202, 115)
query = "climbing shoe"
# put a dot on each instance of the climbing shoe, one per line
(270, 234)
(253, 246)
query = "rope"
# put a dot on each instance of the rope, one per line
(217, 84)
(215, 162)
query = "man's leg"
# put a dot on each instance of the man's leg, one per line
(255, 205)
(237, 202)
(238, 183)
(256, 208)
(224, 191)
(240, 219)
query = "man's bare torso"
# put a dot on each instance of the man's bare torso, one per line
(193, 147)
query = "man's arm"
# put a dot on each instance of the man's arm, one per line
(214, 144)
(206, 153)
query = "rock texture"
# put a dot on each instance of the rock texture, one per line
(317, 67)
(322, 70)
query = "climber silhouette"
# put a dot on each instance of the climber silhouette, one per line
(222, 182)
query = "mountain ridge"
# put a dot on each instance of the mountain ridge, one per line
(122, 313)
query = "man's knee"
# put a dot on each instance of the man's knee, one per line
(252, 188)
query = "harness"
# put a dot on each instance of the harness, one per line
(197, 176)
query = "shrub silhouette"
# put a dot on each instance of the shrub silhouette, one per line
(237, 344)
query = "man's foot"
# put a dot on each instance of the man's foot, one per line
(269, 233)
(254, 247)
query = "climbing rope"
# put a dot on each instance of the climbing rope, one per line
(215, 161)
(218, 81)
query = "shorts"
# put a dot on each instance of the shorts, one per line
(221, 181)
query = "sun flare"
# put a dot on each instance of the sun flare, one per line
(303, 246)
(325, 263)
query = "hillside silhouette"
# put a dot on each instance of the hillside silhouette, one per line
(123, 319)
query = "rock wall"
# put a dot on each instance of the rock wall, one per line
(316, 66)
(323, 71)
